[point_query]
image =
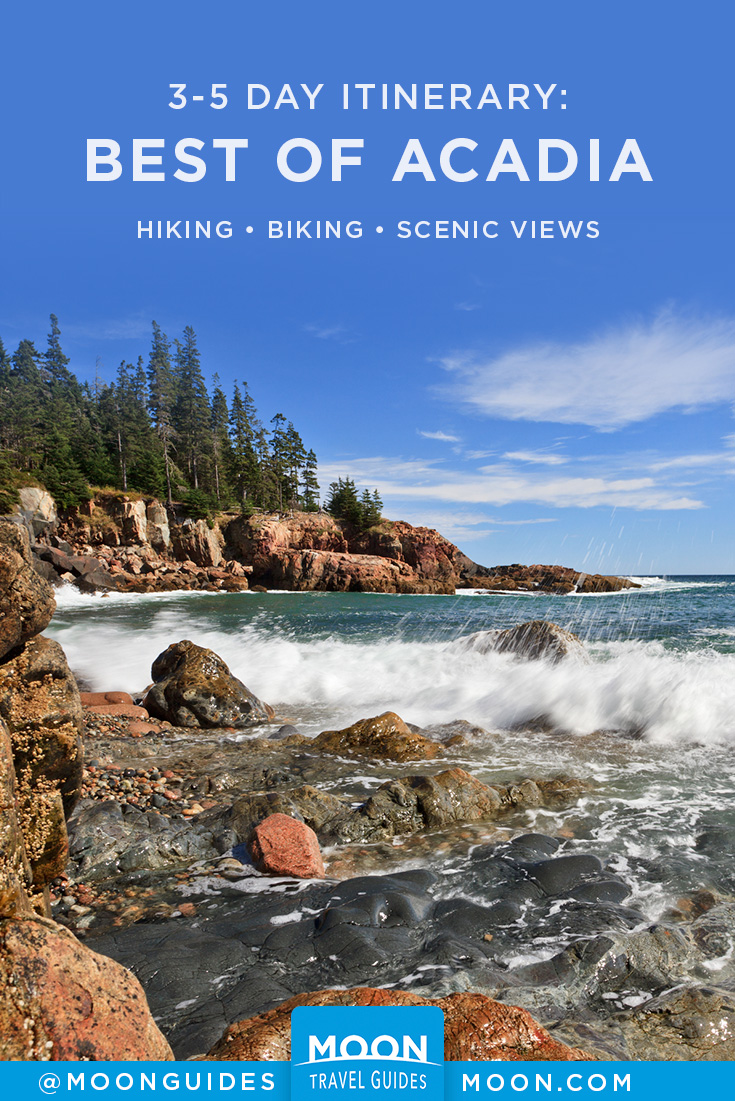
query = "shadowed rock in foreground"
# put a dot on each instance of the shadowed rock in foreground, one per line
(62, 1001)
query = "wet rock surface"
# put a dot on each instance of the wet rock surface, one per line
(252, 941)
(534, 641)
(428, 899)
(474, 1028)
(386, 736)
(194, 687)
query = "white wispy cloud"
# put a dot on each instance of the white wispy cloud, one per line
(464, 526)
(330, 332)
(619, 377)
(543, 458)
(439, 436)
(467, 307)
(597, 484)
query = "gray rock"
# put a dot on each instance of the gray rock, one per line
(193, 687)
(533, 641)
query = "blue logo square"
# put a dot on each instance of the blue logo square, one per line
(367, 1053)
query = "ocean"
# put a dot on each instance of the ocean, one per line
(648, 719)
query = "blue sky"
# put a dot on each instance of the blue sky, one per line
(537, 400)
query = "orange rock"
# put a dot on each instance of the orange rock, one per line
(475, 1027)
(283, 846)
(59, 1000)
(138, 728)
(119, 697)
(122, 710)
(385, 737)
(90, 699)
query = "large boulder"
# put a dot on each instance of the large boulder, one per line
(385, 737)
(475, 1027)
(134, 522)
(60, 1001)
(283, 846)
(416, 803)
(534, 641)
(193, 687)
(26, 600)
(318, 809)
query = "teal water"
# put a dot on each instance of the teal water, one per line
(649, 717)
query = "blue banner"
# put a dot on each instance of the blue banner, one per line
(279, 1081)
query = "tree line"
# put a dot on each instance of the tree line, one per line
(159, 430)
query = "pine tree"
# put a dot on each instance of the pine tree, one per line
(220, 439)
(161, 398)
(310, 484)
(191, 414)
(343, 502)
(61, 475)
(244, 427)
(24, 415)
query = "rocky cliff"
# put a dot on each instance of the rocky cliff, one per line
(121, 543)
(58, 1000)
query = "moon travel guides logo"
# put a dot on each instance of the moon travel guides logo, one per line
(363, 1051)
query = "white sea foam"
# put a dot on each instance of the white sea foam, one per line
(635, 687)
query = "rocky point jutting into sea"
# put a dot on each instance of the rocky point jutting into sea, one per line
(375, 795)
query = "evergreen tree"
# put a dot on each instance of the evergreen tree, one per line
(191, 414)
(23, 417)
(61, 475)
(161, 399)
(244, 427)
(343, 502)
(310, 484)
(220, 439)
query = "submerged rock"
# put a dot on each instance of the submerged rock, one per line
(536, 640)
(386, 737)
(475, 1027)
(283, 846)
(195, 688)
(691, 1022)
(58, 1000)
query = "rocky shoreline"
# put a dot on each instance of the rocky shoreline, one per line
(197, 866)
(119, 544)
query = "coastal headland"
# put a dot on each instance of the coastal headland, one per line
(117, 542)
